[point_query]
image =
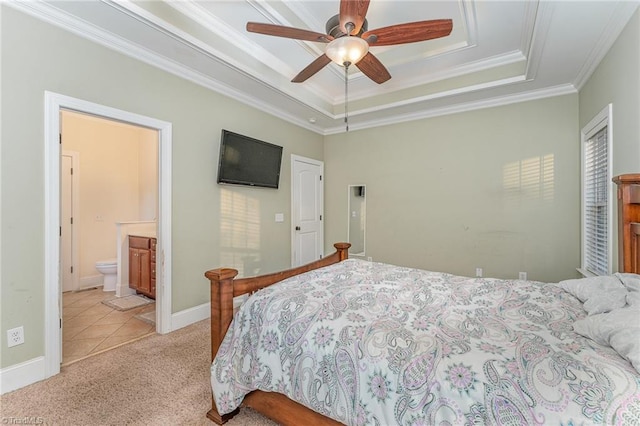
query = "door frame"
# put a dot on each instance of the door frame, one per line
(53, 104)
(75, 209)
(297, 158)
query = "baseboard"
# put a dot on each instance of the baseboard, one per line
(90, 282)
(190, 316)
(198, 313)
(28, 372)
(123, 290)
(20, 375)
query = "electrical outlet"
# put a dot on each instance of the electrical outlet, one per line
(522, 276)
(15, 336)
(478, 272)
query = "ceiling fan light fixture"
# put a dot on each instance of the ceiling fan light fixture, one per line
(347, 49)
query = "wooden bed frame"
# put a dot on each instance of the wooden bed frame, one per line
(224, 287)
(628, 222)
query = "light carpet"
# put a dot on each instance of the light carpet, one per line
(159, 380)
(128, 302)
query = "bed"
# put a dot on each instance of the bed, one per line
(345, 341)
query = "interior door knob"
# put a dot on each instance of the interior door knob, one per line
(297, 228)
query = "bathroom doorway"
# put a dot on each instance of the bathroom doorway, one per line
(55, 105)
(69, 207)
(115, 194)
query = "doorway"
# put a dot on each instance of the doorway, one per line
(68, 209)
(307, 210)
(54, 104)
(117, 195)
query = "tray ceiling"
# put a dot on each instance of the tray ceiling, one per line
(499, 52)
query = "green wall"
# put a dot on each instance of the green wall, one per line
(497, 188)
(494, 188)
(616, 81)
(38, 57)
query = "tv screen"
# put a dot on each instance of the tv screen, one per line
(248, 161)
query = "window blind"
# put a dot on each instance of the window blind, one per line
(596, 186)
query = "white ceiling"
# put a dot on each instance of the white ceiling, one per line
(499, 52)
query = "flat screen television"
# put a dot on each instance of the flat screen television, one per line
(248, 161)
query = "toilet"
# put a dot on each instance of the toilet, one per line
(108, 268)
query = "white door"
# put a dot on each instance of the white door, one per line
(66, 223)
(307, 205)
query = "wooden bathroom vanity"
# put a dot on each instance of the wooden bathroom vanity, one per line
(142, 265)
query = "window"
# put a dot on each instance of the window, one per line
(596, 195)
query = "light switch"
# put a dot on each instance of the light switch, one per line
(279, 217)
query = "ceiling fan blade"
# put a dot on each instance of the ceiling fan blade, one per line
(353, 11)
(312, 68)
(409, 32)
(373, 68)
(288, 32)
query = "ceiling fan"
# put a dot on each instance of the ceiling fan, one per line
(349, 40)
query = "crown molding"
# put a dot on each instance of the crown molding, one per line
(53, 16)
(286, 102)
(462, 107)
(620, 16)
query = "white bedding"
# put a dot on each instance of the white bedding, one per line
(369, 343)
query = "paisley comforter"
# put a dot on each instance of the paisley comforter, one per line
(373, 344)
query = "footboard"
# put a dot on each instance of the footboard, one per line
(225, 286)
(628, 222)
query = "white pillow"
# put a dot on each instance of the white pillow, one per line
(606, 301)
(630, 281)
(619, 329)
(633, 298)
(599, 294)
(585, 288)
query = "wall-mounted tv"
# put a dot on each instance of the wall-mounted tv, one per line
(248, 161)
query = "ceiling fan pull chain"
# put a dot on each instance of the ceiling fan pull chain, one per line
(346, 95)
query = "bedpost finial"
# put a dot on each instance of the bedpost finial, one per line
(342, 246)
(221, 274)
(343, 250)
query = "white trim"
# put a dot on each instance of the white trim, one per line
(438, 95)
(191, 315)
(454, 109)
(585, 273)
(91, 281)
(299, 158)
(615, 26)
(20, 375)
(52, 314)
(364, 236)
(541, 24)
(53, 103)
(54, 16)
(75, 213)
(602, 119)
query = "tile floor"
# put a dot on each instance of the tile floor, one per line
(90, 327)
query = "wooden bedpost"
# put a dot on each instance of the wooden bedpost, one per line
(221, 304)
(224, 286)
(343, 250)
(221, 316)
(628, 222)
